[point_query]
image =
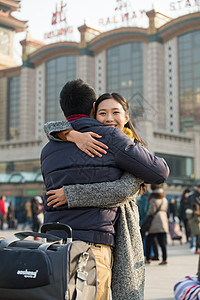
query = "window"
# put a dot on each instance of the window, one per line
(58, 71)
(13, 111)
(125, 72)
(179, 166)
(189, 78)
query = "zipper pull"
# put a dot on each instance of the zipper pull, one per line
(67, 295)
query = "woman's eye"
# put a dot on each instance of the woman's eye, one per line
(102, 113)
(116, 112)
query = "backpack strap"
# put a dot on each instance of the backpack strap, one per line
(157, 210)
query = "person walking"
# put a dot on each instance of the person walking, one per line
(143, 209)
(172, 209)
(11, 215)
(160, 225)
(36, 208)
(2, 210)
(194, 217)
(177, 205)
(29, 217)
(194, 196)
(184, 205)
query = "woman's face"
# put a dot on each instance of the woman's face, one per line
(111, 113)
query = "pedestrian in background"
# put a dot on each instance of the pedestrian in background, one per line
(11, 215)
(2, 210)
(41, 213)
(160, 224)
(29, 221)
(172, 209)
(184, 204)
(36, 208)
(177, 204)
(194, 218)
(143, 206)
(21, 213)
(194, 197)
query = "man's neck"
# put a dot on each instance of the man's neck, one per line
(76, 116)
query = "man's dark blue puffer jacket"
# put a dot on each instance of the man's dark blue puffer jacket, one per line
(62, 163)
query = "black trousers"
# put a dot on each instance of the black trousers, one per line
(36, 223)
(161, 238)
(187, 230)
(197, 242)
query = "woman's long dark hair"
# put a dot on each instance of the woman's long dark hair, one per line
(119, 98)
(183, 196)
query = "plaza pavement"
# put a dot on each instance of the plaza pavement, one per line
(160, 280)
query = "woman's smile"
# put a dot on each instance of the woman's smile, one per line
(111, 113)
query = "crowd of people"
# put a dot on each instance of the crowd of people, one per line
(182, 212)
(30, 215)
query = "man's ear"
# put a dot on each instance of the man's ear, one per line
(92, 110)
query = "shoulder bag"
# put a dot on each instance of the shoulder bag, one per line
(146, 224)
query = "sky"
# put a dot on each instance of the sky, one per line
(39, 13)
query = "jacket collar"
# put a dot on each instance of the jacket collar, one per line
(84, 123)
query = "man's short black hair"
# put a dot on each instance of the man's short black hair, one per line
(77, 97)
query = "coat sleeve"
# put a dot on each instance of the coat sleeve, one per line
(137, 160)
(2, 207)
(103, 194)
(52, 127)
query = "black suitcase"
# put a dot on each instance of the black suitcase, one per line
(48, 269)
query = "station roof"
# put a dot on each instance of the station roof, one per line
(21, 177)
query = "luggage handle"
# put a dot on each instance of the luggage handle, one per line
(22, 235)
(46, 246)
(59, 227)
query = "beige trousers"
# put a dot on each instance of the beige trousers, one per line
(104, 259)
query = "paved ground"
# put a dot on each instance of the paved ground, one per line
(160, 280)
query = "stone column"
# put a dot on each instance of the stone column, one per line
(156, 83)
(86, 61)
(196, 131)
(100, 73)
(27, 105)
(86, 68)
(3, 110)
(156, 72)
(145, 130)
